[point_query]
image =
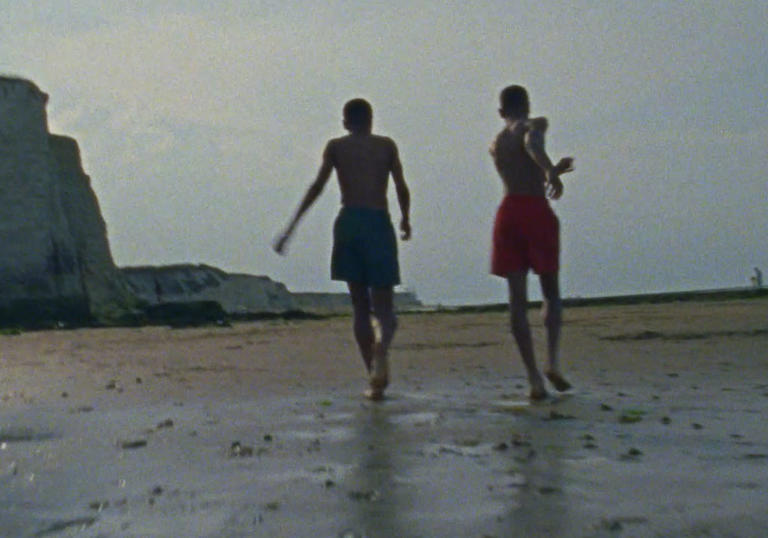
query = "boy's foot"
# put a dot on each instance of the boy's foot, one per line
(374, 394)
(537, 394)
(378, 381)
(560, 383)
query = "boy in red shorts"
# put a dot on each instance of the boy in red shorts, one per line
(526, 230)
(364, 243)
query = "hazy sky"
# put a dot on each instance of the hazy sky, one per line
(202, 123)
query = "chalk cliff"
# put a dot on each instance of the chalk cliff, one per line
(55, 261)
(236, 293)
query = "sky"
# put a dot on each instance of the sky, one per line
(201, 124)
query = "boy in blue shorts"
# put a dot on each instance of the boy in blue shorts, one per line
(364, 242)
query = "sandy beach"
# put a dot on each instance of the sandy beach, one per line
(261, 429)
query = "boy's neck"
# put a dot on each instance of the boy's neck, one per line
(511, 119)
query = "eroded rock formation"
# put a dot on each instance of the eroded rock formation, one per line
(236, 293)
(55, 262)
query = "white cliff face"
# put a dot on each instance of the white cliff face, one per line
(54, 255)
(107, 291)
(38, 254)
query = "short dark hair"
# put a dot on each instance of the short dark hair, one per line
(358, 113)
(514, 100)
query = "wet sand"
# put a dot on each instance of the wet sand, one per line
(261, 429)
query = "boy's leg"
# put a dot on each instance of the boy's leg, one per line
(384, 312)
(518, 305)
(552, 311)
(361, 306)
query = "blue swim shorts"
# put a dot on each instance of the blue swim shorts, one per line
(365, 248)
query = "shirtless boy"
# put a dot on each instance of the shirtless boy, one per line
(365, 246)
(526, 230)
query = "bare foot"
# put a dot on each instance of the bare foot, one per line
(374, 394)
(560, 383)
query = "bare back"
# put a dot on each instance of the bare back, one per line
(519, 172)
(363, 162)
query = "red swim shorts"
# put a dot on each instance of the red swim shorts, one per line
(526, 235)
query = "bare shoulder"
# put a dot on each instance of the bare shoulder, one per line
(384, 141)
(538, 125)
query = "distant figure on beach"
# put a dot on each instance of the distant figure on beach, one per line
(364, 242)
(526, 230)
(757, 280)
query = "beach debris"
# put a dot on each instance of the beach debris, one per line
(157, 490)
(81, 523)
(549, 490)
(268, 437)
(370, 495)
(666, 420)
(555, 415)
(329, 483)
(755, 456)
(167, 423)
(82, 409)
(616, 524)
(133, 444)
(528, 456)
(238, 450)
(139, 381)
(589, 441)
(272, 506)
(65, 394)
(696, 426)
(632, 454)
(111, 385)
(605, 407)
(629, 416)
(500, 447)
(520, 439)
(98, 505)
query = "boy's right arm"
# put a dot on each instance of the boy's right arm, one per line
(534, 145)
(314, 190)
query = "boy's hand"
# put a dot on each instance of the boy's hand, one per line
(565, 165)
(405, 227)
(554, 185)
(281, 242)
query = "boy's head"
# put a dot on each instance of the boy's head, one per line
(358, 115)
(513, 102)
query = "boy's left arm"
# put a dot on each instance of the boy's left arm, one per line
(403, 194)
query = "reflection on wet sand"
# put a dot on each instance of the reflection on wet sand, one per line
(379, 500)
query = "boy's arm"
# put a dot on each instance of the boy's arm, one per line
(534, 145)
(314, 190)
(403, 194)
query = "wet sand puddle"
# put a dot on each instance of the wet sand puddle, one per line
(417, 464)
